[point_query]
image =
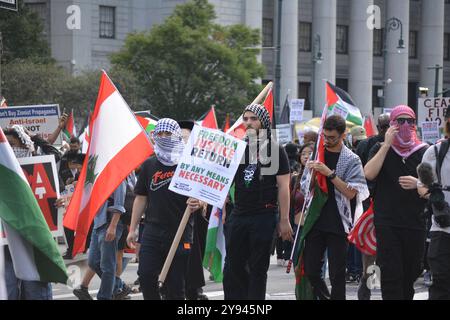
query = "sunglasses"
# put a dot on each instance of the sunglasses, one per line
(403, 121)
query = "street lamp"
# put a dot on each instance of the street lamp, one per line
(316, 58)
(392, 24)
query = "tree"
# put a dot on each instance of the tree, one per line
(23, 37)
(29, 83)
(189, 63)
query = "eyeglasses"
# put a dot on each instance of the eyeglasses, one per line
(253, 118)
(330, 138)
(410, 121)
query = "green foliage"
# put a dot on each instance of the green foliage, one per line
(189, 63)
(23, 37)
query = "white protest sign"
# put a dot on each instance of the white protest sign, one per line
(39, 119)
(208, 165)
(432, 109)
(430, 131)
(284, 133)
(297, 108)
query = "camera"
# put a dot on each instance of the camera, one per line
(440, 207)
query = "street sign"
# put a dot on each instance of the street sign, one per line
(8, 4)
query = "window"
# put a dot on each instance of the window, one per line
(107, 22)
(304, 92)
(378, 42)
(342, 39)
(377, 96)
(413, 35)
(304, 36)
(267, 32)
(447, 46)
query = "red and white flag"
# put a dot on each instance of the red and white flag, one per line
(363, 233)
(210, 120)
(3, 102)
(238, 129)
(369, 125)
(70, 130)
(118, 144)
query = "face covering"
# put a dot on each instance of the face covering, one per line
(168, 150)
(22, 152)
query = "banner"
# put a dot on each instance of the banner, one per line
(430, 131)
(42, 176)
(432, 109)
(297, 108)
(39, 119)
(208, 165)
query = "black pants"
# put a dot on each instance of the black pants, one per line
(152, 256)
(315, 245)
(399, 256)
(439, 260)
(248, 244)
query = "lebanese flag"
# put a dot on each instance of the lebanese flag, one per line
(238, 129)
(118, 144)
(363, 233)
(210, 120)
(70, 130)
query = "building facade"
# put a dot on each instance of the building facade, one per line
(380, 66)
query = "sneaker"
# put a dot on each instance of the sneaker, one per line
(427, 281)
(122, 293)
(67, 256)
(82, 293)
(363, 292)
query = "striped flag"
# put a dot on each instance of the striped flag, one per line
(238, 129)
(3, 102)
(209, 120)
(117, 146)
(34, 253)
(214, 258)
(363, 233)
(147, 123)
(341, 103)
(370, 127)
(70, 130)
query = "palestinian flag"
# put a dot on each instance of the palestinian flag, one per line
(147, 123)
(316, 201)
(70, 130)
(226, 126)
(209, 119)
(214, 258)
(370, 127)
(339, 102)
(34, 253)
(363, 233)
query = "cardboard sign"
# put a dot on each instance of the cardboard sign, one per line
(208, 165)
(284, 133)
(41, 119)
(432, 109)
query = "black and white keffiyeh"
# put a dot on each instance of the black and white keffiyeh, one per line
(168, 150)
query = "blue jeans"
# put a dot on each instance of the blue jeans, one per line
(102, 259)
(23, 289)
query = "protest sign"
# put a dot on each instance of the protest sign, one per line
(430, 131)
(432, 109)
(297, 108)
(208, 165)
(39, 119)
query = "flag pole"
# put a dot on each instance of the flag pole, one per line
(263, 93)
(173, 247)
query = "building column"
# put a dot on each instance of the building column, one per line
(431, 42)
(253, 17)
(361, 56)
(397, 60)
(289, 51)
(324, 25)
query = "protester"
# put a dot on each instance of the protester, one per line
(439, 248)
(23, 146)
(195, 278)
(365, 146)
(358, 134)
(345, 181)
(398, 209)
(262, 190)
(163, 212)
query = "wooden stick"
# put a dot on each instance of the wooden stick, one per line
(173, 248)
